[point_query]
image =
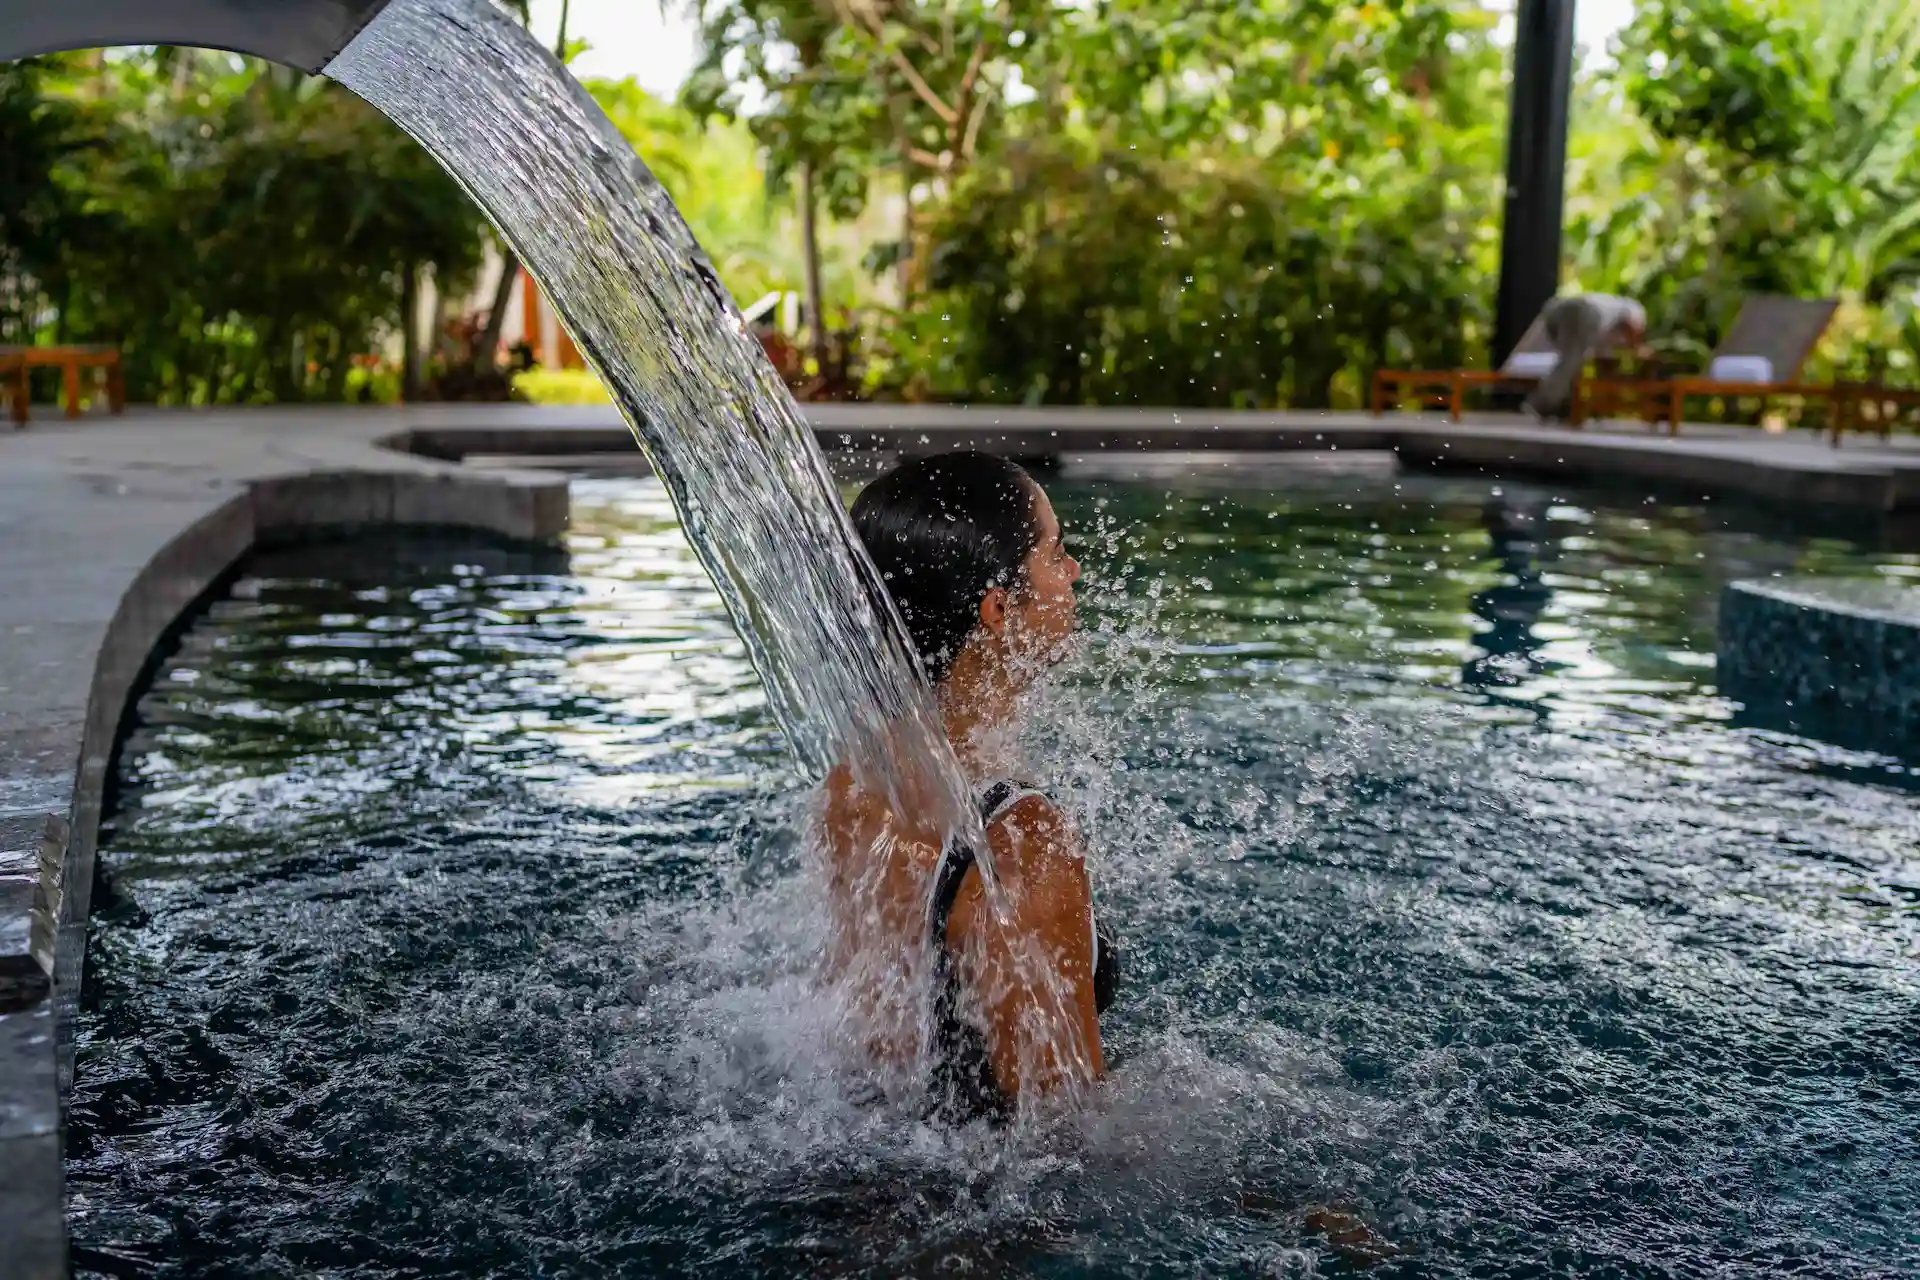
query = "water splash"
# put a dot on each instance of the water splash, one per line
(755, 498)
(517, 972)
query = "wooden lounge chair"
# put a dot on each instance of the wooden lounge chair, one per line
(1761, 356)
(1532, 359)
(17, 362)
(1868, 406)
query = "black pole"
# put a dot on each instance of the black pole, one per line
(1536, 168)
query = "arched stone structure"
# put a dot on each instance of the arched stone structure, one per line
(300, 33)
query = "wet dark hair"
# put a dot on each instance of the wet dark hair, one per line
(943, 530)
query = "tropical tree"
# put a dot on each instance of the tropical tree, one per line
(713, 171)
(1763, 145)
(838, 91)
(1235, 205)
(38, 129)
(244, 232)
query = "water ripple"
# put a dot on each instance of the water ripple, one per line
(457, 921)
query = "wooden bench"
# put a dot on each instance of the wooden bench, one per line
(16, 363)
(1391, 385)
(1645, 398)
(1664, 400)
(1868, 406)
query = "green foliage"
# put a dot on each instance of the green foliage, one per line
(712, 170)
(1242, 205)
(1731, 73)
(1067, 277)
(751, 74)
(1133, 201)
(560, 386)
(1327, 175)
(715, 171)
(1760, 145)
(36, 132)
(855, 86)
(1237, 202)
(241, 230)
(1270, 75)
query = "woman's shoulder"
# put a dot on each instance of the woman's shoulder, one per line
(998, 797)
(1024, 818)
(1036, 849)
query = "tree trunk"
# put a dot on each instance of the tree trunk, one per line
(906, 236)
(410, 334)
(810, 247)
(486, 350)
(305, 350)
(339, 360)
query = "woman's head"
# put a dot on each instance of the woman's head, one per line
(970, 550)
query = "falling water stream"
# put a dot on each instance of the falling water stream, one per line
(647, 311)
(751, 489)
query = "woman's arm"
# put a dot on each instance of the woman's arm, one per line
(1033, 970)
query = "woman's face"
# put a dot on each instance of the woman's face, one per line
(1040, 611)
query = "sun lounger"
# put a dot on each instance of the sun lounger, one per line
(1760, 356)
(1532, 360)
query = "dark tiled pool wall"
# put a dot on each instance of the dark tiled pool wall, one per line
(1828, 658)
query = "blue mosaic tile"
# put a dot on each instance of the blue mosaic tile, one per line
(1829, 658)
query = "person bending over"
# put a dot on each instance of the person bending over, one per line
(1580, 326)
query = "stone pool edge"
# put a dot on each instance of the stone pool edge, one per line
(1807, 657)
(1792, 474)
(48, 846)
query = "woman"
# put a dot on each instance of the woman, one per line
(971, 552)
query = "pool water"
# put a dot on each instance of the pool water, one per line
(456, 925)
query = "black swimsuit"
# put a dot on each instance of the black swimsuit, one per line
(963, 1086)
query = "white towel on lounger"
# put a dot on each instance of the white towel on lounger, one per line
(1741, 369)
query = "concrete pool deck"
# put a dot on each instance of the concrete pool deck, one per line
(111, 529)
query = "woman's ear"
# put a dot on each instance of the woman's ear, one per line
(993, 610)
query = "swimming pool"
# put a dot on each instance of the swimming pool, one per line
(456, 930)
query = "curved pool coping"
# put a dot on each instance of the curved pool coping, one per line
(1797, 470)
(1829, 658)
(108, 543)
